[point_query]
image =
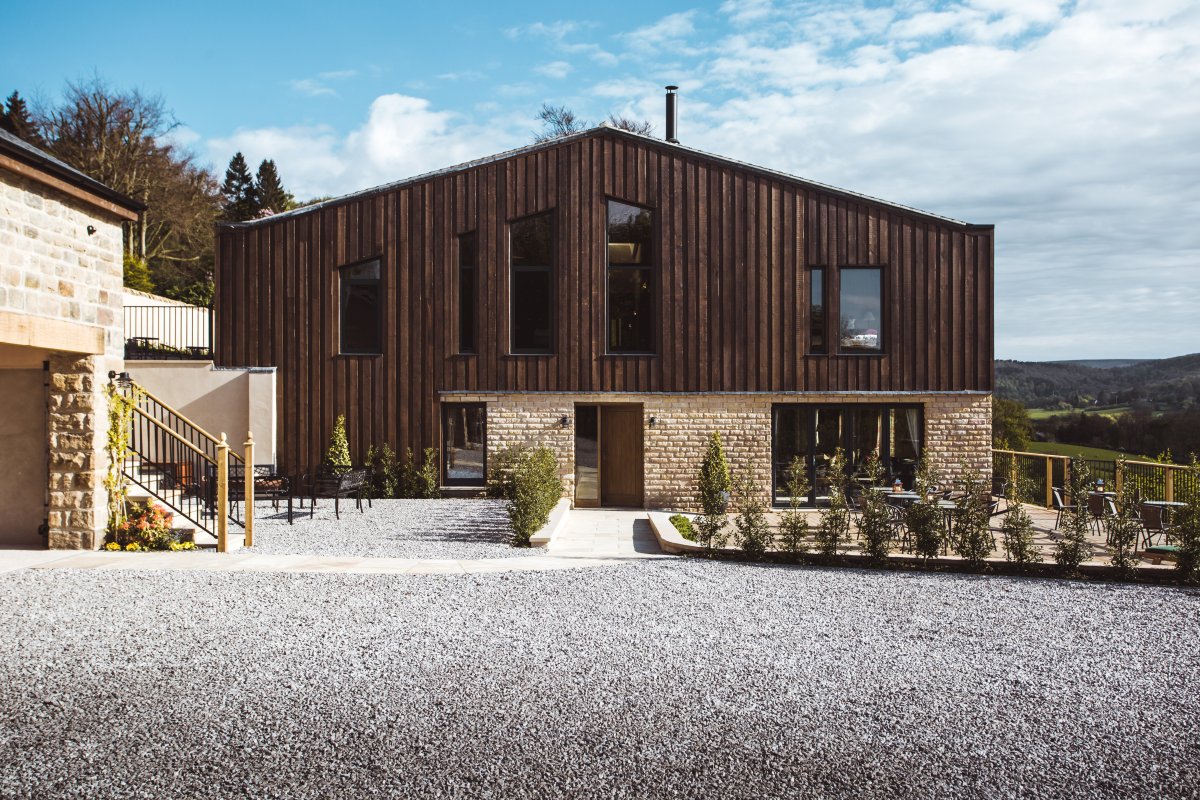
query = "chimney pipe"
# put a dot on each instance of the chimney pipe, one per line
(672, 115)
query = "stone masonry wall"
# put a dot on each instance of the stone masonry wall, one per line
(77, 429)
(52, 268)
(49, 265)
(957, 432)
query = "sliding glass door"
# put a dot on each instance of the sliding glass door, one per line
(813, 432)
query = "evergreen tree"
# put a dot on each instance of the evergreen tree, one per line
(272, 197)
(241, 195)
(16, 119)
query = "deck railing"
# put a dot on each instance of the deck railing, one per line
(168, 332)
(1154, 480)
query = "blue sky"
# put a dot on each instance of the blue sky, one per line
(1073, 126)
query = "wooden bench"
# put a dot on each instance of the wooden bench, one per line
(336, 485)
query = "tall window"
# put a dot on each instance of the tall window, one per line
(531, 254)
(861, 312)
(466, 293)
(464, 433)
(816, 311)
(630, 279)
(361, 310)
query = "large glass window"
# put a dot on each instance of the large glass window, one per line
(861, 311)
(630, 279)
(531, 254)
(464, 431)
(466, 293)
(813, 432)
(816, 311)
(360, 309)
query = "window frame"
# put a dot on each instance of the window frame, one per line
(655, 272)
(344, 282)
(474, 269)
(552, 285)
(824, 348)
(881, 350)
(446, 409)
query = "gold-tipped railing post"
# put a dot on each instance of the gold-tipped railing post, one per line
(1169, 484)
(222, 495)
(1050, 482)
(249, 470)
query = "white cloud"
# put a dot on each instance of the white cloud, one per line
(319, 86)
(557, 33)
(555, 69)
(402, 136)
(746, 12)
(667, 35)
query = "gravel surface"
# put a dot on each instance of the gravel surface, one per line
(762, 681)
(401, 528)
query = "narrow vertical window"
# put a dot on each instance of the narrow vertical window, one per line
(816, 311)
(360, 309)
(861, 312)
(630, 279)
(466, 293)
(531, 255)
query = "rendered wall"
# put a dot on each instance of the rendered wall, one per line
(23, 464)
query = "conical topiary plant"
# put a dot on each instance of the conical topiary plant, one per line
(337, 457)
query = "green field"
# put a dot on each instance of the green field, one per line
(1093, 453)
(1048, 413)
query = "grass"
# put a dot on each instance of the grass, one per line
(1049, 413)
(1092, 453)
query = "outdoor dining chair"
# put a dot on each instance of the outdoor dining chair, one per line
(1099, 508)
(1060, 506)
(1154, 523)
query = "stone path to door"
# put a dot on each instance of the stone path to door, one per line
(589, 538)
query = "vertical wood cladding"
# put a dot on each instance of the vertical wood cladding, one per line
(735, 245)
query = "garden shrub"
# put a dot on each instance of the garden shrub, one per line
(385, 471)
(1018, 528)
(1186, 522)
(145, 526)
(427, 484)
(753, 532)
(972, 522)
(834, 530)
(501, 464)
(1124, 528)
(337, 457)
(714, 488)
(923, 518)
(793, 524)
(684, 526)
(536, 489)
(875, 527)
(1073, 549)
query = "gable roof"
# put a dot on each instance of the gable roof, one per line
(606, 129)
(21, 150)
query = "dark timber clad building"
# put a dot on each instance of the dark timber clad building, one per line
(616, 297)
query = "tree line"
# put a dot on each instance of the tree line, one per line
(123, 139)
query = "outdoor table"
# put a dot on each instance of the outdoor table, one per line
(1167, 506)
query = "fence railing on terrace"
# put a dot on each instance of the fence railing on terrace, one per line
(1155, 480)
(173, 332)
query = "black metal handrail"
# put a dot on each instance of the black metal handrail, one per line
(174, 332)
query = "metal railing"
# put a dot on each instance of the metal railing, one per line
(168, 332)
(186, 468)
(1154, 480)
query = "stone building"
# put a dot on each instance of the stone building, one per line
(60, 334)
(617, 297)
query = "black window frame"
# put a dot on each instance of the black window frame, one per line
(345, 283)
(823, 349)
(446, 410)
(471, 348)
(653, 267)
(809, 459)
(549, 270)
(883, 313)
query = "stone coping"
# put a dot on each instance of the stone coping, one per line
(558, 518)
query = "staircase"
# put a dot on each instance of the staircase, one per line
(176, 463)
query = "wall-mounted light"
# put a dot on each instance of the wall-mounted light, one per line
(121, 379)
(653, 421)
(564, 421)
(91, 229)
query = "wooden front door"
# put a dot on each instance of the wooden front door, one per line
(621, 457)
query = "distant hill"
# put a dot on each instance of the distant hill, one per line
(1166, 384)
(1103, 363)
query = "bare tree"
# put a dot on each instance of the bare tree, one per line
(122, 140)
(632, 125)
(557, 121)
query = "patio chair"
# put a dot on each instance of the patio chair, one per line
(1154, 523)
(898, 522)
(1060, 506)
(1099, 508)
(340, 484)
(1000, 493)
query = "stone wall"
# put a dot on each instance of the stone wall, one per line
(51, 267)
(957, 432)
(78, 428)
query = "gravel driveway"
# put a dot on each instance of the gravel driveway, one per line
(458, 529)
(658, 679)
